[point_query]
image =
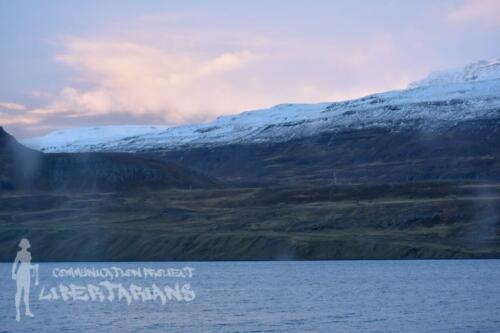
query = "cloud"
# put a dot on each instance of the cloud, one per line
(485, 12)
(172, 78)
(186, 85)
(12, 106)
(140, 79)
(154, 64)
(15, 113)
(6, 119)
(17, 117)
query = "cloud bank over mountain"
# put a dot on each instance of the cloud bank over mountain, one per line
(175, 65)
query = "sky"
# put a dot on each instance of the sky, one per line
(67, 63)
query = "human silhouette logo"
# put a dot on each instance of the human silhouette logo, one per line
(22, 270)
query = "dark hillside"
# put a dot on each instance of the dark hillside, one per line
(27, 170)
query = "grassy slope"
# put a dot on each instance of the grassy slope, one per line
(415, 220)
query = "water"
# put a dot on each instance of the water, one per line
(328, 296)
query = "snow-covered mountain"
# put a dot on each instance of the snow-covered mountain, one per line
(442, 99)
(88, 137)
(478, 71)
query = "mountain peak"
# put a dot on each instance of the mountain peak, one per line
(8, 144)
(477, 71)
(4, 136)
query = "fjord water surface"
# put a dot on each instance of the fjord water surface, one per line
(286, 296)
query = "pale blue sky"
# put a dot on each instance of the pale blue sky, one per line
(76, 63)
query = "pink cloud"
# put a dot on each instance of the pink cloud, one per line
(12, 106)
(140, 79)
(187, 81)
(16, 114)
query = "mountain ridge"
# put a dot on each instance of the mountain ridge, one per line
(425, 106)
(24, 169)
(478, 71)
